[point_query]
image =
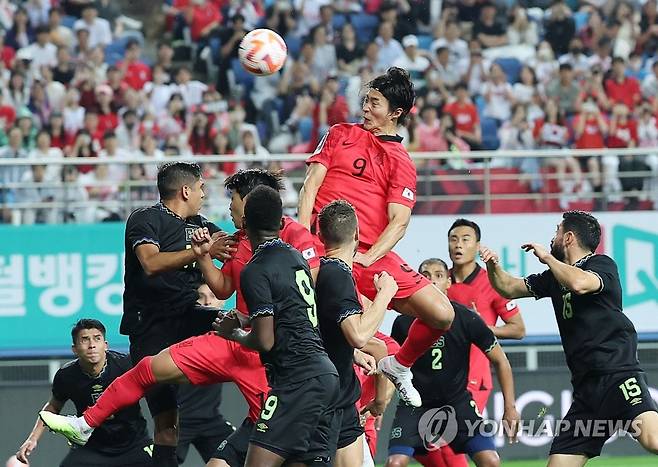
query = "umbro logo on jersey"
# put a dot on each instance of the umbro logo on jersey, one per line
(308, 253)
(407, 193)
(636, 401)
(262, 427)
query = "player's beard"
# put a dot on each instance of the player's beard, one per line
(557, 251)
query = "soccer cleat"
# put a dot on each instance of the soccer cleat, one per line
(66, 425)
(401, 377)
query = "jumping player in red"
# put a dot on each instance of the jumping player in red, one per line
(367, 165)
(205, 359)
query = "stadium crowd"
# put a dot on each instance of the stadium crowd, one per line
(531, 74)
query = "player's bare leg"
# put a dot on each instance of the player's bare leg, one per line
(350, 456)
(398, 460)
(567, 460)
(434, 314)
(486, 459)
(647, 424)
(261, 457)
(217, 463)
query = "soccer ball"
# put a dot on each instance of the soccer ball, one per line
(262, 52)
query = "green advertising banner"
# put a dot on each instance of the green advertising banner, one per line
(53, 275)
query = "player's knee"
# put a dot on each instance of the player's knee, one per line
(397, 461)
(650, 442)
(487, 459)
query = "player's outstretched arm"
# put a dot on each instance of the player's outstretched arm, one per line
(506, 380)
(358, 329)
(575, 279)
(398, 220)
(505, 284)
(315, 174)
(30, 444)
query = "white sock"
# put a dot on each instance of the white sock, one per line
(84, 426)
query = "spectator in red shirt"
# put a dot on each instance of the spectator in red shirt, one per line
(203, 17)
(201, 134)
(590, 130)
(465, 115)
(135, 72)
(331, 110)
(107, 116)
(623, 134)
(7, 54)
(622, 88)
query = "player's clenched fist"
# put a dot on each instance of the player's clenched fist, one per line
(488, 255)
(201, 241)
(384, 282)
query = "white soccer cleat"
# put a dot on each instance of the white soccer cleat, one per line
(66, 425)
(401, 377)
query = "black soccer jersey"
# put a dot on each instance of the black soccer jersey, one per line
(277, 282)
(170, 292)
(336, 294)
(597, 337)
(441, 374)
(118, 433)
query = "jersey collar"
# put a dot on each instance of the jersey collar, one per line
(583, 259)
(390, 138)
(468, 279)
(270, 243)
(338, 261)
(164, 208)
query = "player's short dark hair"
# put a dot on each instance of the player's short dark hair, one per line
(86, 323)
(338, 222)
(396, 86)
(429, 261)
(585, 226)
(173, 175)
(244, 181)
(461, 222)
(263, 210)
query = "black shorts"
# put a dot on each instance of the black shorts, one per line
(205, 437)
(298, 421)
(350, 426)
(233, 450)
(601, 405)
(457, 423)
(162, 334)
(137, 456)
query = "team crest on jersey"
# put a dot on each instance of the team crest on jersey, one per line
(407, 193)
(188, 234)
(510, 305)
(308, 253)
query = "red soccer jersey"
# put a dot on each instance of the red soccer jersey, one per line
(293, 233)
(623, 135)
(368, 171)
(465, 115)
(136, 75)
(627, 92)
(591, 138)
(477, 293)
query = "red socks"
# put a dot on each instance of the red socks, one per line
(419, 340)
(126, 390)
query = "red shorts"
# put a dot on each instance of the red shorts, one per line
(409, 281)
(210, 359)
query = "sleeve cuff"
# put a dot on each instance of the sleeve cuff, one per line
(143, 240)
(265, 310)
(532, 292)
(492, 346)
(346, 314)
